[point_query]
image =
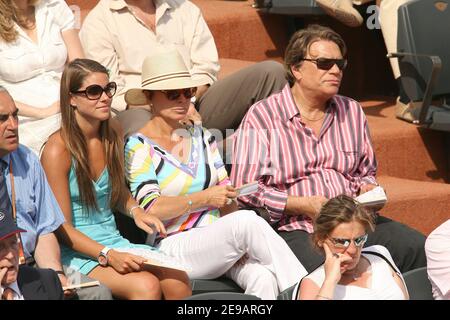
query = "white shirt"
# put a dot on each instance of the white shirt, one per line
(113, 36)
(31, 72)
(17, 295)
(437, 249)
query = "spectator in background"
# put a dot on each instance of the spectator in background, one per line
(84, 165)
(121, 33)
(36, 40)
(176, 173)
(36, 207)
(307, 144)
(22, 282)
(350, 272)
(437, 249)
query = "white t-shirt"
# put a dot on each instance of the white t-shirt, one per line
(382, 286)
(437, 248)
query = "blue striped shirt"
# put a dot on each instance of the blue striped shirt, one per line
(38, 211)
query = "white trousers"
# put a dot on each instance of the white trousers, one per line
(389, 26)
(213, 250)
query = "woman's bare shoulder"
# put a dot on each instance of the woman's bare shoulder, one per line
(55, 150)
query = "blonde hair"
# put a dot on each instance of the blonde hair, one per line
(71, 81)
(341, 209)
(10, 13)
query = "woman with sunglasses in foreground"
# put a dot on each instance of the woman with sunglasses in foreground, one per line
(350, 272)
(84, 165)
(176, 173)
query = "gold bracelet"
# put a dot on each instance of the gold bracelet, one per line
(323, 297)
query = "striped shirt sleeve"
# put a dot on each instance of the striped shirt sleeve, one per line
(140, 172)
(251, 162)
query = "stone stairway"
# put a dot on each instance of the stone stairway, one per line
(413, 162)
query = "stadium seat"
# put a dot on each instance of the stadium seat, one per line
(222, 296)
(289, 7)
(424, 60)
(419, 287)
(221, 284)
(287, 294)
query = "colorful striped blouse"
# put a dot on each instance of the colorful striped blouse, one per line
(274, 147)
(152, 172)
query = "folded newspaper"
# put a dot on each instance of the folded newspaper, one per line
(157, 258)
(373, 197)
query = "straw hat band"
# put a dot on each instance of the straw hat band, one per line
(163, 70)
(169, 76)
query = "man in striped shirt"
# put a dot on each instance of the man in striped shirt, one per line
(308, 144)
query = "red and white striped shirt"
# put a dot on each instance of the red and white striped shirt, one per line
(275, 148)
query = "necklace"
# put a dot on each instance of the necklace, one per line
(313, 120)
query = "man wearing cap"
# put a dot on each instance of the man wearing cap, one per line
(24, 191)
(22, 282)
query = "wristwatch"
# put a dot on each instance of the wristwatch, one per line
(103, 257)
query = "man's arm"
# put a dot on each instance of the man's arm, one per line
(203, 51)
(437, 249)
(47, 252)
(308, 206)
(251, 162)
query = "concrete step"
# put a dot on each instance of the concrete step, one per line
(240, 32)
(418, 204)
(404, 150)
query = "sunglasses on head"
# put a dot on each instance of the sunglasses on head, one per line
(345, 243)
(327, 64)
(95, 91)
(175, 94)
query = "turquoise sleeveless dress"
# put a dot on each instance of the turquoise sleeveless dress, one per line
(97, 225)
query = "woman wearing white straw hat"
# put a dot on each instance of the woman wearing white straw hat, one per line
(175, 172)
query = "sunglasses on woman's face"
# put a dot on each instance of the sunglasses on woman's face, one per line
(175, 94)
(345, 243)
(95, 91)
(327, 64)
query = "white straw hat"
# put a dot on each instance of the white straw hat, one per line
(162, 71)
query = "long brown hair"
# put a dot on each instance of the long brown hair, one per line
(72, 79)
(10, 13)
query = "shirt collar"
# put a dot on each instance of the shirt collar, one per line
(15, 287)
(291, 109)
(6, 158)
(120, 4)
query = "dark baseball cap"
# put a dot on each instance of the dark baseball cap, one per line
(7, 226)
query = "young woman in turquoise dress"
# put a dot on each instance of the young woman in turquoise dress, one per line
(85, 168)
